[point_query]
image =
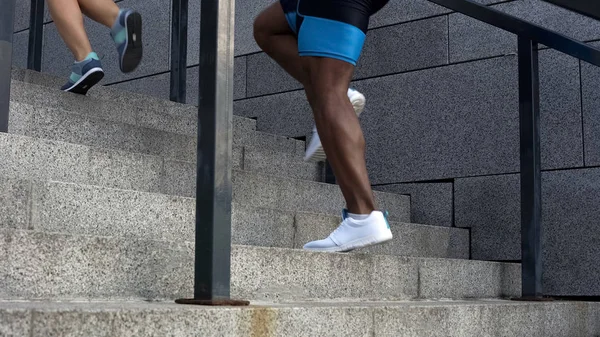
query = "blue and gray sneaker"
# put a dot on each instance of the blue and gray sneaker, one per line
(85, 74)
(127, 34)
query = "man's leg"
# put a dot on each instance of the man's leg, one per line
(340, 131)
(275, 37)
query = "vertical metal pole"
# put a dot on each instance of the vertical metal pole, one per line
(215, 116)
(531, 174)
(7, 19)
(36, 35)
(179, 35)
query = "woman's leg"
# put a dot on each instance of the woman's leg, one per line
(68, 19)
(104, 12)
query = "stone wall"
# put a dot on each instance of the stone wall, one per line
(441, 120)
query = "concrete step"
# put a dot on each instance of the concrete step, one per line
(335, 319)
(85, 129)
(38, 265)
(40, 159)
(85, 209)
(122, 107)
(115, 95)
(46, 160)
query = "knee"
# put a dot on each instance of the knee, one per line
(331, 98)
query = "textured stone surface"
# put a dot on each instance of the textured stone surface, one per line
(475, 279)
(89, 210)
(491, 207)
(281, 164)
(469, 38)
(279, 193)
(401, 11)
(590, 80)
(159, 85)
(36, 265)
(410, 46)
(287, 276)
(262, 227)
(22, 11)
(560, 109)
(485, 319)
(113, 104)
(73, 128)
(572, 232)
(442, 129)
(338, 319)
(14, 205)
(39, 159)
(57, 59)
(265, 76)
(283, 114)
(19, 57)
(409, 239)
(54, 124)
(179, 121)
(15, 323)
(28, 158)
(430, 203)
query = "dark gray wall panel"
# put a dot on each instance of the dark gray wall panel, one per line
(159, 85)
(590, 78)
(430, 203)
(571, 229)
(471, 39)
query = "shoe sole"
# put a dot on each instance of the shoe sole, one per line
(134, 50)
(319, 154)
(87, 81)
(356, 244)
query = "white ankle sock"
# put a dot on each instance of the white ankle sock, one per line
(358, 216)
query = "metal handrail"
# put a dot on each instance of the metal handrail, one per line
(529, 35)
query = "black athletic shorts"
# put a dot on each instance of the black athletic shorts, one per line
(331, 28)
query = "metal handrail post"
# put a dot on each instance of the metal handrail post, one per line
(214, 159)
(179, 37)
(531, 172)
(7, 19)
(36, 35)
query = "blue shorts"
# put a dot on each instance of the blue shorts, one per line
(331, 28)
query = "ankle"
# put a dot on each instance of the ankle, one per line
(114, 18)
(81, 55)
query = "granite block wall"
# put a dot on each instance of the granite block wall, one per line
(441, 120)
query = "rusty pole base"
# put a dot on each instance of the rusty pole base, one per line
(532, 299)
(214, 303)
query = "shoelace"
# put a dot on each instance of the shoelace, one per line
(338, 229)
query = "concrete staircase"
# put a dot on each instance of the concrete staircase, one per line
(97, 214)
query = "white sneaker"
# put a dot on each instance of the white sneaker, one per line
(354, 234)
(315, 151)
